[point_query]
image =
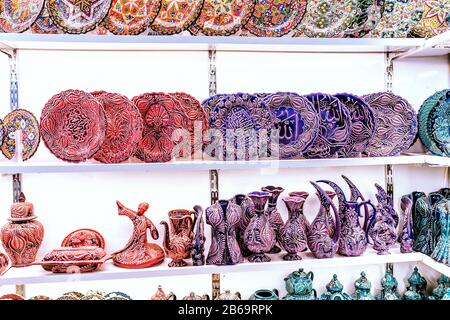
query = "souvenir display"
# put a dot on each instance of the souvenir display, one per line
(161, 295)
(5, 263)
(406, 236)
(362, 288)
(275, 220)
(248, 211)
(139, 253)
(265, 294)
(296, 120)
(84, 238)
(363, 125)
(396, 124)
(74, 260)
(276, 18)
(22, 236)
(299, 286)
(12, 296)
(198, 244)
(442, 284)
(19, 15)
(73, 125)
(78, 16)
(223, 217)
(193, 296)
(117, 295)
(327, 19)
(177, 241)
(124, 128)
(227, 295)
(128, 17)
(417, 287)
(389, 287)
(222, 18)
(435, 19)
(44, 24)
(441, 251)
(334, 291)
(25, 122)
(399, 18)
(176, 16)
(368, 16)
(334, 126)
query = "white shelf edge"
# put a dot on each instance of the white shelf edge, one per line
(439, 267)
(436, 46)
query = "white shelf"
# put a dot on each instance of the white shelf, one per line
(439, 267)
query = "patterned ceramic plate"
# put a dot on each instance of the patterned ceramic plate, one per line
(363, 125)
(2, 132)
(40, 298)
(78, 16)
(26, 122)
(335, 126)
(19, 15)
(209, 104)
(117, 295)
(12, 296)
(441, 124)
(131, 17)
(275, 18)
(73, 125)
(44, 24)
(83, 238)
(176, 16)
(222, 18)
(296, 120)
(327, 19)
(368, 16)
(435, 19)
(399, 18)
(396, 124)
(123, 130)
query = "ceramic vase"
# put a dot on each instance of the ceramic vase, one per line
(334, 291)
(406, 236)
(362, 288)
(248, 211)
(292, 235)
(265, 294)
(441, 252)
(276, 222)
(389, 287)
(417, 286)
(198, 244)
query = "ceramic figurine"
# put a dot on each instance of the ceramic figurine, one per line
(227, 295)
(321, 242)
(73, 260)
(441, 288)
(417, 287)
(139, 253)
(23, 234)
(5, 263)
(259, 237)
(161, 295)
(389, 285)
(198, 244)
(248, 211)
(299, 286)
(334, 291)
(265, 294)
(441, 252)
(178, 238)
(223, 217)
(292, 236)
(193, 296)
(406, 236)
(362, 288)
(424, 221)
(274, 215)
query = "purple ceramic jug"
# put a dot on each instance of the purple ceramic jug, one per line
(275, 219)
(292, 235)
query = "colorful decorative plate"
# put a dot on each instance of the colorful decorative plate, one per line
(275, 18)
(124, 128)
(117, 295)
(441, 124)
(19, 15)
(435, 19)
(40, 297)
(73, 125)
(223, 17)
(176, 16)
(399, 18)
(363, 125)
(396, 124)
(245, 113)
(131, 17)
(12, 296)
(335, 126)
(296, 120)
(327, 19)
(26, 122)
(209, 104)
(44, 24)
(368, 16)
(2, 132)
(84, 238)
(78, 16)
(162, 114)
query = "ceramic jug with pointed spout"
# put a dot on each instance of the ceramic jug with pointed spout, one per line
(274, 215)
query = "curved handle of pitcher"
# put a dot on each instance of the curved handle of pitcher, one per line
(372, 218)
(310, 275)
(315, 293)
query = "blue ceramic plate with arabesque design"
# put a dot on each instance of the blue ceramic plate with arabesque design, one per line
(441, 124)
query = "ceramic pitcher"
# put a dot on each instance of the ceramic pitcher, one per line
(275, 219)
(292, 235)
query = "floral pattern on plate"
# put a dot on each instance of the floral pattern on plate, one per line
(176, 16)
(19, 15)
(44, 24)
(368, 16)
(435, 19)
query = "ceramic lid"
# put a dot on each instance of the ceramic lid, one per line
(362, 283)
(416, 279)
(334, 285)
(22, 210)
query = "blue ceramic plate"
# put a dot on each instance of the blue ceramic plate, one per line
(441, 124)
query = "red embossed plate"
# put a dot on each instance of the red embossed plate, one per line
(124, 128)
(19, 15)
(73, 125)
(131, 17)
(222, 18)
(84, 238)
(176, 16)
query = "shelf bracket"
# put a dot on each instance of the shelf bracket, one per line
(389, 73)
(389, 178)
(212, 73)
(20, 290)
(214, 185)
(215, 283)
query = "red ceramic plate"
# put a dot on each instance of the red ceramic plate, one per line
(73, 125)
(11, 296)
(19, 15)
(84, 238)
(124, 128)
(176, 16)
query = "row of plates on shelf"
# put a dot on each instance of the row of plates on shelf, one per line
(299, 18)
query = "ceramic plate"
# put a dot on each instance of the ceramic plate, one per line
(368, 16)
(275, 18)
(363, 125)
(123, 130)
(435, 19)
(176, 16)
(83, 238)
(11, 296)
(78, 16)
(44, 24)
(73, 125)
(396, 124)
(209, 104)
(2, 132)
(117, 295)
(296, 120)
(40, 298)
(131, 17)
(26, 122)
(399, 18)
(441, 124)
(335, 126)
(5, 263)
(19, 15)
(222, 18)
(327, 19)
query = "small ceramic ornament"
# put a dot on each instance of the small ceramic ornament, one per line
(265, 294)
(299, 286)
(161, 295)
(417, 287)
(389, 287)
(334, 291)
(362, 288)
